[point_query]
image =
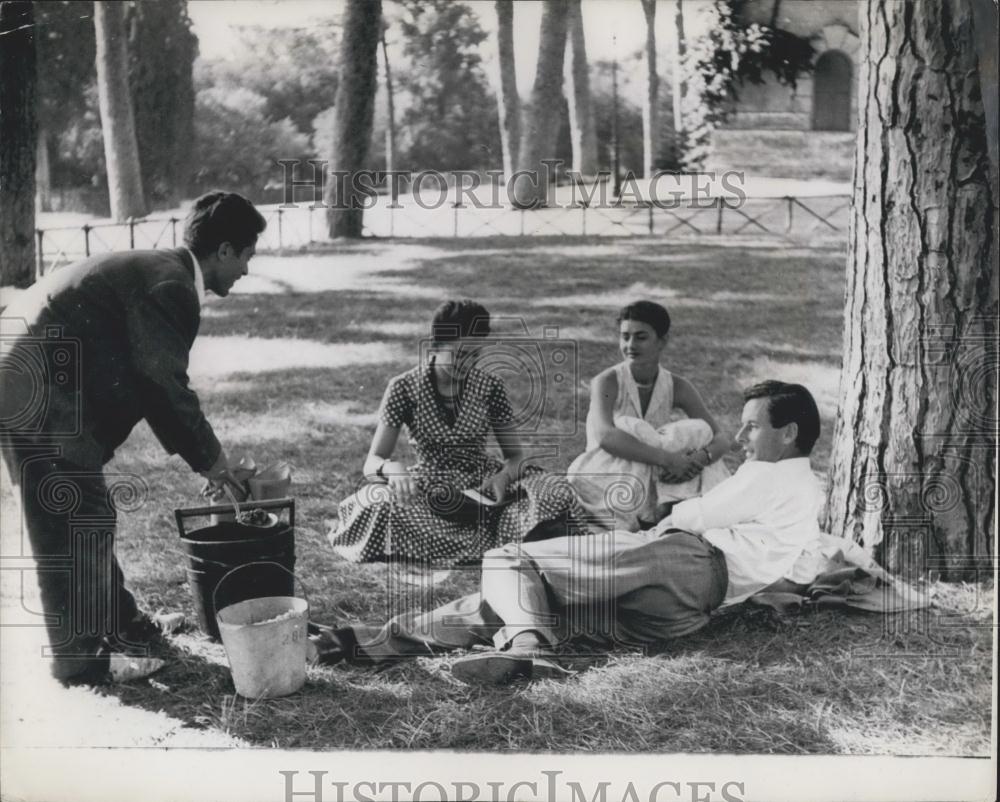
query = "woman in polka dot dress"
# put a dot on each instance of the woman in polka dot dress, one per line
(418, 513)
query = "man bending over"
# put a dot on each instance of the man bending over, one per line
(628, 588)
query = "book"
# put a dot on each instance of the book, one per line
(485, 501)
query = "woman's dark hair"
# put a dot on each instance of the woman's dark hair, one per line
(454, 319)
(221, 217)
(789, 403)
(648, 312)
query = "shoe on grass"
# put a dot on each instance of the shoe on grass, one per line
(501, 668)
(122, 668)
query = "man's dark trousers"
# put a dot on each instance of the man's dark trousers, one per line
(70, 519)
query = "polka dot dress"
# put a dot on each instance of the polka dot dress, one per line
(438, 529)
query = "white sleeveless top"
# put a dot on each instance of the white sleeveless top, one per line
(627, 403)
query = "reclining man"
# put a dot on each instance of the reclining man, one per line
(629, 588)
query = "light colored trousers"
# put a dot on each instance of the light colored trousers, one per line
(608, 589)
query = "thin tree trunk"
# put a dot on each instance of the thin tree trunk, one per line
(913, 467)
(651, 98)
(583, 133)
(43, 172)
(121, 153)
(508, 100)
(354, 109)
(538, 140)
(680, 84)
(390, 127)
(17, 144)
(985, 27)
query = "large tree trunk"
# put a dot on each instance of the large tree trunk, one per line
(538, 140)
(354, 110)
(508, 100)
(913, 468)
(121, 153)
(583, 133)
(651, 97)
(17, 144)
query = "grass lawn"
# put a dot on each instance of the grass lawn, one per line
(292, 366)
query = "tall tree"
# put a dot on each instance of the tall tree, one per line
(508, 99)
(353, 114)
(651, 134)
(161, 49)
(583, 134)
(913, 467)
(680, 83)
(121, 153)
(17, 143)
(448, 118)
(538, 139)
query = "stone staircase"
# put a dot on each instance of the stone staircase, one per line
(783, 153)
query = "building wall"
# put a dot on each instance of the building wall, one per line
(770, 129)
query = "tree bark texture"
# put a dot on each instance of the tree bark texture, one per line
(541, 128)
(17, 144)
(651, 97)
(582, 129)
(508, 100)
(354, 110)
(121, 153)
(913, 473)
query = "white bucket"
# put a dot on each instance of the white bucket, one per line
(266, 644)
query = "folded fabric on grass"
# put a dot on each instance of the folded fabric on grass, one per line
(846, 576)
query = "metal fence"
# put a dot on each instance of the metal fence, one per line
(791, 217)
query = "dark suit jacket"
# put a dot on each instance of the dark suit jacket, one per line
(107, 345)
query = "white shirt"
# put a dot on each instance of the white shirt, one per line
(762, 518)
(199, 278)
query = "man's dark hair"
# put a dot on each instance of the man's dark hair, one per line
(648, 312)
(454, 319)
(789, 403)
(221, 217)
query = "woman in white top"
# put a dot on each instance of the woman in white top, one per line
(640, 458)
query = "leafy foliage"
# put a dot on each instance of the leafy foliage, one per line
(449, 117)
(237, 145)
(294, 70)
(732, 53)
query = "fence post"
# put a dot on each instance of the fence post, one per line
(718, 220)
(86, 239)
(173, 231)
(583, 216)
(454, 229)
(309, 217)
(39, 254)
(651, 218)
(522, 222)
(281, 239)
(131, 233)
(791, 206)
